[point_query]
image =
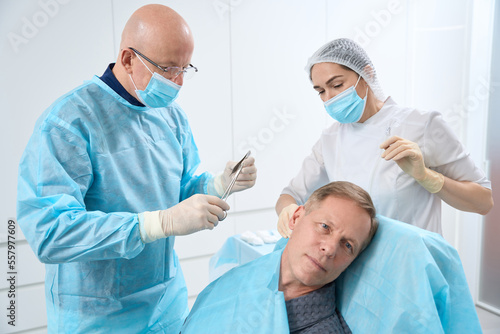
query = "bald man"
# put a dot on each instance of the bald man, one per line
(107, 181)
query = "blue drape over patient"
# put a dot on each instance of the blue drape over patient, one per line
(245, 300)
(95, 161)
(408, 280)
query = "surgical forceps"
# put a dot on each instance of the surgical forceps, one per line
(236, 172)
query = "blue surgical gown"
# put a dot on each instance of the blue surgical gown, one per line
(93, 162)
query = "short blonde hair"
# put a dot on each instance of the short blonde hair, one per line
(346, 190)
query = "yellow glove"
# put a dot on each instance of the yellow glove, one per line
(284, 218)
(409, 158)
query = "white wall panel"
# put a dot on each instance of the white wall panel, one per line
(45, 53)
(430, 12)
(48, 48)
(30, 313)
(196, 274)
(41, 330)
(255, 221)
(205, 242)
(29, 269)
(439, 54)
(276, 113)
(380, 27)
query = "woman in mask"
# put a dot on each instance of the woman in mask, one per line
(407, 159)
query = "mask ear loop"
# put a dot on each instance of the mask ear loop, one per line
(143, 63)
(359, 78)
(133, 83)
(139, 57)
(366, 94)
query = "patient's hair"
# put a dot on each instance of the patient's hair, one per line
(347, 190)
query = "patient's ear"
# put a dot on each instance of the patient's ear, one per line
(299, 212)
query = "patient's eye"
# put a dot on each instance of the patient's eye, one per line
(325, 226)
(349, 246)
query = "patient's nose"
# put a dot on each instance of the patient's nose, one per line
(329, 248)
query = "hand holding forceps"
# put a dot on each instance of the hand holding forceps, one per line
(236, 172)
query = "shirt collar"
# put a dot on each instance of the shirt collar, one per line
(109, 79)
(306, 310)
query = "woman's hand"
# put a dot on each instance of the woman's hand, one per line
(409, 158)
(284, 218)
(406, 154)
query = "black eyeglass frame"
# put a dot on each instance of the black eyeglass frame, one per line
(166, 69)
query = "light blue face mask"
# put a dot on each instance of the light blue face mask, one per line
(347, 107)
(159, 93)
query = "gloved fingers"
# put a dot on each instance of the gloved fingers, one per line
(402, 150)
(249, 162)
(389, 142)
(213, 216)
(408, 153)
(247, 177)
(394, 146)
(283, 228)
(218, 209)
(284, 219)
(217, 214)
(248, 166)
(229, 167)
(249, 170)
(216, 201)
(399, 145)
(242, 185)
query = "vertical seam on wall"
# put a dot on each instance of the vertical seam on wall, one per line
(411, 22)
(231, 97)
(485, 154)
(407, 47)
(115, 56)
(466, 69)
(326, 21)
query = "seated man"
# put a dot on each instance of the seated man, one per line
(292, 290)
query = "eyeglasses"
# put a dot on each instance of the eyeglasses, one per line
(171, 72)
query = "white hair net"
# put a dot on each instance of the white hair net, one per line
(344, 51)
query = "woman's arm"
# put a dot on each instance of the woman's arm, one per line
(462, 195)
(466, 196)
(283, 201)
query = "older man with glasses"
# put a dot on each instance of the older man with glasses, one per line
(107, 181)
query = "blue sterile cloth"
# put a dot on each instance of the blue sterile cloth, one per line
(244, 300)
(408, 280)
(93, 162)
(233, 253)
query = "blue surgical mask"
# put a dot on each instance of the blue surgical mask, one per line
(347, 107)
(159, 93)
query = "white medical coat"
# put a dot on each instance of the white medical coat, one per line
(350, 152)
